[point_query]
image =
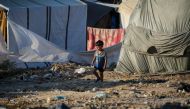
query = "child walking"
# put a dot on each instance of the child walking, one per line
(99, 61)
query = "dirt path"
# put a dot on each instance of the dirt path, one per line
(117, 91)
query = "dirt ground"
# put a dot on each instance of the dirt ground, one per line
(63, 87)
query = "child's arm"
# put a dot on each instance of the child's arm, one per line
(93, 60)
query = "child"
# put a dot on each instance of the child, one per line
(99, 60)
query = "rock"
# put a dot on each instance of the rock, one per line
(145, 102)
(115, 92)
(133, 88)
(80, 89)
(67, 73)
(145, 95)
(140, 83)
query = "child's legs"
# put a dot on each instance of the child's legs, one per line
(101, 74)
(96, 74)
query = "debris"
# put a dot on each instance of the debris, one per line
(80, 70)
(94, 89)
(48, 100)
(59, 97)
(183, 87)
(101, 95)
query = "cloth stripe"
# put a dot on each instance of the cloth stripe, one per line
(67, 27)
(28, 16)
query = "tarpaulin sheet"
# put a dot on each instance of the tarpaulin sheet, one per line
(110, 37)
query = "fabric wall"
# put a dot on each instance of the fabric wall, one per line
(161, 29)
(110, 37)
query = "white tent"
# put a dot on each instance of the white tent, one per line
(58, 21)
(157, 38)
(125, 9)
(34, 24)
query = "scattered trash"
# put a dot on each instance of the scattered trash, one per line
(80, 70)
(101, 95)
(115, 81)
(59, 97)
(115, 92)
(55, 68)
(94, 89)
(48, 100)
(183, 87)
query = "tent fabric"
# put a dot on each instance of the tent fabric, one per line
(125, 9)
(34, 48)
(132, 62)
(161, 29)
(3, 50)
(3, 24)
(54, 20)
(96, 12)
(110, 37)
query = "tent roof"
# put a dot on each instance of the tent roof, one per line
(38, 3)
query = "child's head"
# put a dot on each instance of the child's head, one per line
(99, 45)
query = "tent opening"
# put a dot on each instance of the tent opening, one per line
(3, 23)
(110, 20)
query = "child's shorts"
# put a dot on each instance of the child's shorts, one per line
(100, 69)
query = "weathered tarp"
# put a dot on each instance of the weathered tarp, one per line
(34, 51)
(125, 9)
(34, 48)
(58, 21)
(110, 37)
(157, 38)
